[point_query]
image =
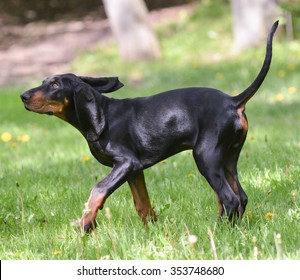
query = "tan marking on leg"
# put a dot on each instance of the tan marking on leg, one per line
(95, 202)
(243, 120)
(232, 182)
(220, 206)
(234, 186)
(141, 197)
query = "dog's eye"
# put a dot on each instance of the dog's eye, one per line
(55, 85)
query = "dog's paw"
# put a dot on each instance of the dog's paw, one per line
(85, 228)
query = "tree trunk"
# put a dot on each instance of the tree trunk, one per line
(136, 39)
(252, 20)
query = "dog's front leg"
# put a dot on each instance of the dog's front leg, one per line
(140, 196)
(101, 191)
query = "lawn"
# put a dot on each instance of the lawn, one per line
(47, 171)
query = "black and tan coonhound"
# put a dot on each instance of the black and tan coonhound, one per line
(130, 135)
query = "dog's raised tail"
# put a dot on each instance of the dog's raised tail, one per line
(243, 97)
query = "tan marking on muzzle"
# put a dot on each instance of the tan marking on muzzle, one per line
(60, 113)
(39, 104)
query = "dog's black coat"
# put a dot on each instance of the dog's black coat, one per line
(133, 134)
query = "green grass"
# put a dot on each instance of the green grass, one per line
(44, 182)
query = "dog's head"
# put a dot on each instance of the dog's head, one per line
(60, 93)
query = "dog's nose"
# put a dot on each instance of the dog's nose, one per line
(25, 96)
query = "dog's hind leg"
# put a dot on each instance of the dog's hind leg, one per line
(232, 179)
(210, 162)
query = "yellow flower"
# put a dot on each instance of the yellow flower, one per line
(220, 77)
(6, 137)
(14, 144)
(292, 90)
(235, 92)
(195, 64)
(281, 73)
(24, 137)
(85, 158)
(108, 214)
(294, 195)
(86, 209)
(292, 67)
(249, 215)
(57, 252)
(190, 175)
(279, 97)
(269, 216)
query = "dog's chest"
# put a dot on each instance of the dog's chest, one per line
(99, 153)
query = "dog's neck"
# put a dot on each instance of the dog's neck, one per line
(69, 114)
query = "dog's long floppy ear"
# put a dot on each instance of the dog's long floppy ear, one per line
(89, 113)
(103, 85)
